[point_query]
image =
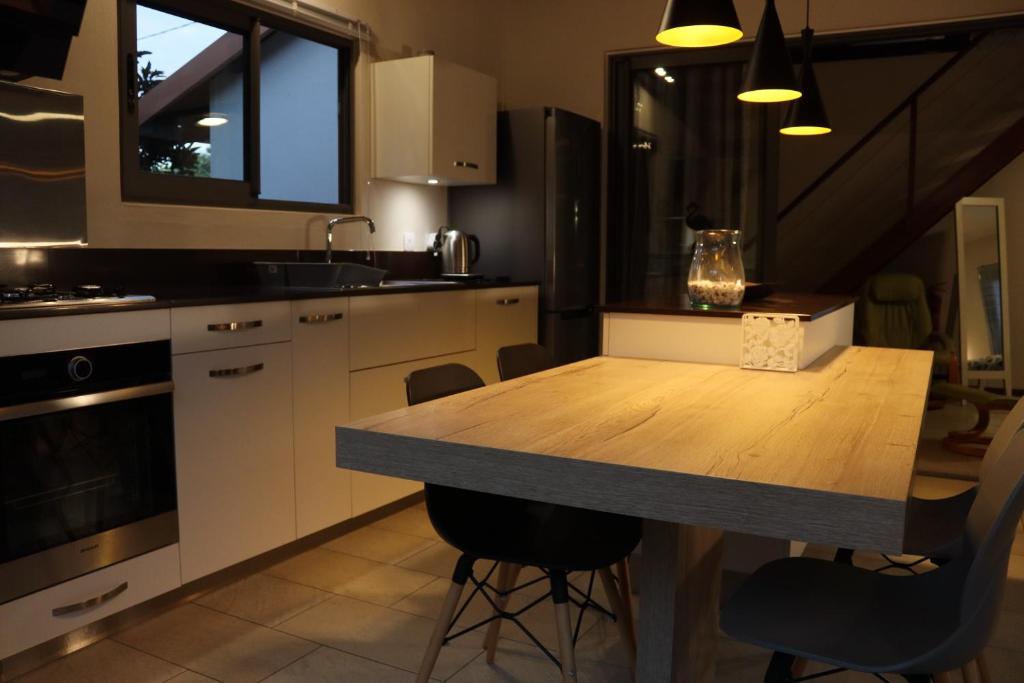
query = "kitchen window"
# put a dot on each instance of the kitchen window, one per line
(226, 105)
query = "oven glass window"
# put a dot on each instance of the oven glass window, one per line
(68, 475)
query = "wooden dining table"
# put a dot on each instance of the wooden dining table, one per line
(824, 455)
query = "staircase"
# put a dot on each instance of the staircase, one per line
(957, 130)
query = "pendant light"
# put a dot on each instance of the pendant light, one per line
(699, 23)
(807, 115)
(770, 71)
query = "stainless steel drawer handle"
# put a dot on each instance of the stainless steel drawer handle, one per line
(91, 602)
(315, 318)
(237, 372)
(467, 164)
(234, 327)
(507, 302)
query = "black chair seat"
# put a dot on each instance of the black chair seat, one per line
(844, 615)
(493, 527)
(935, 527)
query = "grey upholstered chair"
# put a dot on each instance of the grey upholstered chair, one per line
(935, 526)
(523, 359)
(918, 626)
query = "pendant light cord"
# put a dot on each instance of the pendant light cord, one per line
(808, 13)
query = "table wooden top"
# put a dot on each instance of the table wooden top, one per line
(822, 455)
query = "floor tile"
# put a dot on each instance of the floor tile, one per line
(1003, 664)
(385, 585)
(323, 569)
(439, 560)
(1009, 633)
(215, 644)
(192, 677)
(355, 577)
(325, 665)
(517, 662)
(413, 521)
(380, 545)
(104, 662)
(378, 633)
(263, 599)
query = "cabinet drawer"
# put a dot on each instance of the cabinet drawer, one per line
(394, 328)
(28, 621)
(204, 328)
(234, 455)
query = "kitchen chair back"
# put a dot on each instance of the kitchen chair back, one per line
(893, 312)
(439, 381)
(523, 359)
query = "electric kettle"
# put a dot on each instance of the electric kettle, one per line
(458, 250)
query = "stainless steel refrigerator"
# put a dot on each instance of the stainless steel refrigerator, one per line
(541, 221)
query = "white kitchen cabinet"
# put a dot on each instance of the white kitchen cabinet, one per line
(393, 328)
(504, 316)
(377, 391)
(323, 494)
(235, 464)
(434, 120)
(204, 328)
(30, 620)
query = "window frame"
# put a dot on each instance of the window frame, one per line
(138, 185)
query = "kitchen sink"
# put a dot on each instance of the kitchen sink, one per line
(324, 275)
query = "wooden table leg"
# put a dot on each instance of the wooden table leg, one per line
(679, 587)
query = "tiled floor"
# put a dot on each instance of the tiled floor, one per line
(360, 609)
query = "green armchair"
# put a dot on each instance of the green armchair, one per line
(893, 312)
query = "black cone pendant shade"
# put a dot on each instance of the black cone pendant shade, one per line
(807, 115)
(770, 71)
(699, 23)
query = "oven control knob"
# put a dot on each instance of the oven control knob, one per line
(80, 368)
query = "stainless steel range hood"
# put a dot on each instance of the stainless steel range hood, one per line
(42, 167)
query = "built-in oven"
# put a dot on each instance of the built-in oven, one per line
(86, 462)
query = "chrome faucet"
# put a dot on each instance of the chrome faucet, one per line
(346, 219)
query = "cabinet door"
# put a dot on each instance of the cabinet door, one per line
(393, 328)
(377, 391)
(464, 145)
(505, 316)
(235, 467)
(323, 494)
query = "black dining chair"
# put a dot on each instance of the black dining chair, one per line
(518, 533)
(935, 526)
(919, 626)
(520, 360)
(523, 359)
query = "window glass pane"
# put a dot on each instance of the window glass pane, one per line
(191, 97)
(299, 119)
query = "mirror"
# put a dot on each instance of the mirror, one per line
(984, 298)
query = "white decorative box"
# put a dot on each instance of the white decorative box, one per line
(771, 341)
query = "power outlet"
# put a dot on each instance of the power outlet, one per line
(428, 240)
(408, 241)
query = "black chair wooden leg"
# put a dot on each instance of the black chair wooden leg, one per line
(566, 649)
(463, 570)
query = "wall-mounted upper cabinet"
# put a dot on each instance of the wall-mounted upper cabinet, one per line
(434, 121)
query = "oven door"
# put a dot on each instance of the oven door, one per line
(85, 481)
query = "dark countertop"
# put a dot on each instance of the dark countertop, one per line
(214, 295)
(807, 306)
